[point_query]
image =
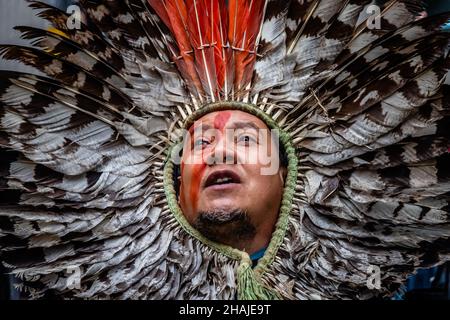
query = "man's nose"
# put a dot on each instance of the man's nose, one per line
(222, 153)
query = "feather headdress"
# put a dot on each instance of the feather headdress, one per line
(85, 179)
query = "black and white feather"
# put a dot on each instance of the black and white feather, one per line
(82, 150)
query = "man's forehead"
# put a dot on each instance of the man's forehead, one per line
(228, 119)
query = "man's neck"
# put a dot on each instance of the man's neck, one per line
(252, 246)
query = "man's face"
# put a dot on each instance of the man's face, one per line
(226, 189)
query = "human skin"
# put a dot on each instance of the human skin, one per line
(229, 143)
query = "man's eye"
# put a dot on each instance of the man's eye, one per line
(246, 139)
(200, 143)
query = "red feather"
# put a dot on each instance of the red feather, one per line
(201, 35)
(174, 14)
(161, 11)
(217, 44)
(222, 52)
(245, 18)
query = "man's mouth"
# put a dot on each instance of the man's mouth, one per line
(222, 178)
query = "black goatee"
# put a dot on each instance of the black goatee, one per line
(225, 226)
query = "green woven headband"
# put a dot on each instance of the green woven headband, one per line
(249, 284)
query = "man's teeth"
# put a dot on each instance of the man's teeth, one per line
(223, 180)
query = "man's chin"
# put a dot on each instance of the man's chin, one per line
(221, 214)
(225, 226)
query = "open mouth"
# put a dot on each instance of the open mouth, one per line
(220, 178)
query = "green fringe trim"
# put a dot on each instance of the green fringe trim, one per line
(249, 285)
(249, 282)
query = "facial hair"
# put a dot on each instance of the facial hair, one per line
(230, 227)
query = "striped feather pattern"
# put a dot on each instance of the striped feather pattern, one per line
(83, 147)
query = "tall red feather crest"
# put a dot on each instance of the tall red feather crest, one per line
(216, 43)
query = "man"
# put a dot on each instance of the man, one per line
(94, 205)
(224, 191)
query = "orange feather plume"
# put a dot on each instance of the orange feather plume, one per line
(245, 20)
(216, 43)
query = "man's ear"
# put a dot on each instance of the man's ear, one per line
(282, 173)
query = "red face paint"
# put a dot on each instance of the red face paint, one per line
(197, 171)
(221, 119)
(197, 174)
(189, 198)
